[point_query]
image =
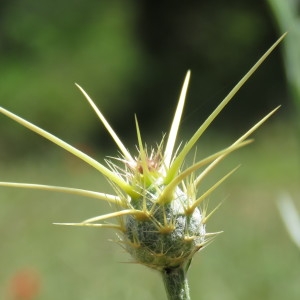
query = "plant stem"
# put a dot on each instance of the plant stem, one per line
(176, 283)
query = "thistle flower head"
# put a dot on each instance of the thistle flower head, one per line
(158, 215)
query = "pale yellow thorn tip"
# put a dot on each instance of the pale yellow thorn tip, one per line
(107, 125)
(176, 122)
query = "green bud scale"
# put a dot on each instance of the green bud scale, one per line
(168, 236)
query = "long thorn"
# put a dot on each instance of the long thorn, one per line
(113, 226)
(181, 156)
(60, 189)
(242, 138)
(167, 193)
(120, 213)
(107, 125)
(175, 124)
(210, 190)
(95, 164)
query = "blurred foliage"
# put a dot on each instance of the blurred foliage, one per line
(286, 15)
(48, 45)
(131, 57)
(219, 41)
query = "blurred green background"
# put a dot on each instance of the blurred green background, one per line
(131, 57)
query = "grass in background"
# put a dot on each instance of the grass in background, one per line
(253, 259)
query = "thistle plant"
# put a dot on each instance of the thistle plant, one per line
(160, 218)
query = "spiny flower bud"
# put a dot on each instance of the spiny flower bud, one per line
(158, 216)
(168, 234)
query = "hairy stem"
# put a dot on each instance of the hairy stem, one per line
(176, 283)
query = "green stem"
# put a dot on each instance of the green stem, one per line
(176, 283)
